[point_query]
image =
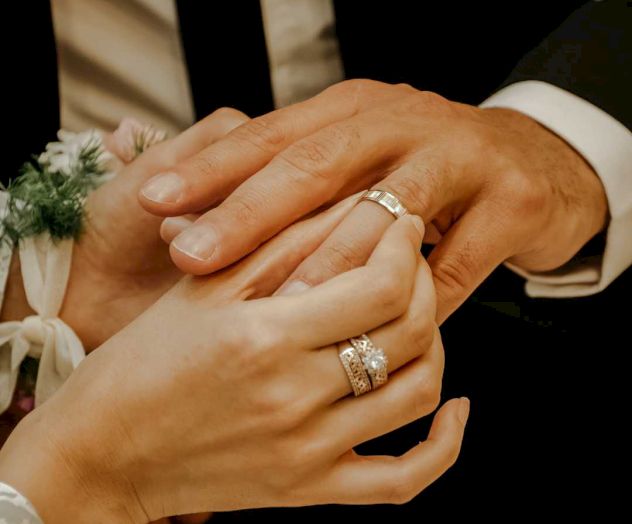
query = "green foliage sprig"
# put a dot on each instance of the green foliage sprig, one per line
(45, 198)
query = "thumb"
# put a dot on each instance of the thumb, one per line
(188, 143)
(117, 200)
(472, 248)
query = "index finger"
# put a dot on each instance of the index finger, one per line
(311, 172)
(213, 173)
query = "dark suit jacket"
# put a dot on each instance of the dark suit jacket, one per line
(463, 51)
(542, 374)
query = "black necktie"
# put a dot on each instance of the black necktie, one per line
(226, 55)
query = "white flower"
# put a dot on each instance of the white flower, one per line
(64, 156)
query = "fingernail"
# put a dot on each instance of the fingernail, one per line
(418, 223)
(165, 188)
(293, 287)
(197, 242)
(464, 410)
(171, 227)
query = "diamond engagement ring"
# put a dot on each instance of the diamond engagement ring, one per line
(373, 358)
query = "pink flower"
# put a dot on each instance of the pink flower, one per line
(25, 403)
(132, 138)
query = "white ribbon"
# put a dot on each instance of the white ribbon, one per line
(45, 269)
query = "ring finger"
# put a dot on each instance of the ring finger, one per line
(402, 340)
(418, 185)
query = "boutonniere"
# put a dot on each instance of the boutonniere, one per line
(49, 194)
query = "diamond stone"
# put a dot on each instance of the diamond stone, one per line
(375, 360)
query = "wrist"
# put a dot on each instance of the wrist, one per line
(58, 480)
(577, 199)
(591, 209)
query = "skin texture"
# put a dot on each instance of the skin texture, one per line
(120, 266)
(491, 184)
(273, 387)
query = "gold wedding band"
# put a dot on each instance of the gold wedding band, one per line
(354, 367)
(388, 201)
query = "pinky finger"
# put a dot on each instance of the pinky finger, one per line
(396, 480)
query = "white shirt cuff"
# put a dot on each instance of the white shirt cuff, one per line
(606, 145)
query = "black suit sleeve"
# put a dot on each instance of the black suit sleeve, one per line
(590, 55)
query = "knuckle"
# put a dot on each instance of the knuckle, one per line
(338, 257)
(360, 92)
(421, 333)
(270, 406)
(390, 293)
(454, 271)
(433, 396)
(316, 155)
(517, 190)
(424, 103)
(401, 490)
(309, 156)
(435, 399)
(229, 117)
(279, 405)
(527, 197)
(477, 140)
(246, 210)
(255, 349)
(353, 84)
(356, 86)
(427, 395)
(405, 87)
(263, 337)
(435, 99)
(303, 454)
(262, 133)
(205, 164)
(229, 113)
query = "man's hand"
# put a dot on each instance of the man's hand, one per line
(491, 184)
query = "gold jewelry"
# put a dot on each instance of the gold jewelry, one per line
(388, 201)
(373, 358)
(355, 369)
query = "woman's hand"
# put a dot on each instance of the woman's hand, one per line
(494, 184)
(215, 399)
(120, 266)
